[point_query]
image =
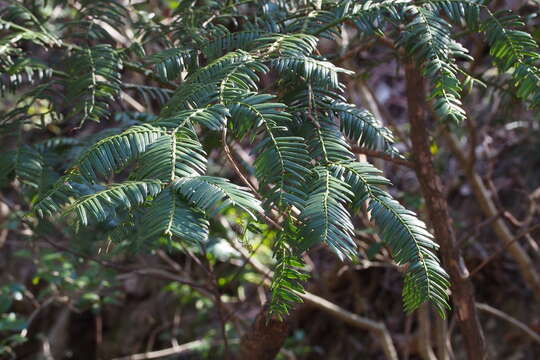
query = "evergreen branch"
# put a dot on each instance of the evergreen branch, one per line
(213, 194)
(407, 236)
(102, 204)
(325, 218)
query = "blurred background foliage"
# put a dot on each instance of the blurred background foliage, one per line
(67, 294)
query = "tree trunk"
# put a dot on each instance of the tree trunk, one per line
(264, 339)
(431, 187)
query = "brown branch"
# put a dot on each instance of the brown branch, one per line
(424, 333)
(378, 328)
(245, 180)
(487, 205)
(179, 350)
(504, 316)
(442, 339)
(504, 247)
(235, 166)
(439, 216)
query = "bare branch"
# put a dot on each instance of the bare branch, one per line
(504, 316)
(183, 349)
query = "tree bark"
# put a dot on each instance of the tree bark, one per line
(431, 187)
(264, 339)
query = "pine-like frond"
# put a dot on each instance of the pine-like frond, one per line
(169, 63)
(93, 14)
(64, 191)
(220, 67)
(172, 156)
(325, 140)
(214, 117)
(363, 129)
(191, 95)
(20, 29)
(405, 234)
(150, 93)
(114, 152)
(277, 45)
(325, 217)
(288, 271)
(43, 96)
(513, 48)
(255, 110)
(459, 11)
(103, 204)
(240, 81)
(282, 161)
(22, 72)
(319, 22)
(213, 194)
(49, 157)
(315, 94)
(427, 37)
(510, 47)
(93, 82)
(169, 216)
(222, 80)
(309, 68)
(371, 16)
(35, 165)
(24, 26)
(29, 167)
(299, 125)
(223, 41)
(282, 165)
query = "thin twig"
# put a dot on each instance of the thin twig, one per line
(504, 247)
(209, 270)
(504, 316)
(234, 164)
(183, 349)
(478, 227)
(488, 204)
(35, 313)
(244, 179)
